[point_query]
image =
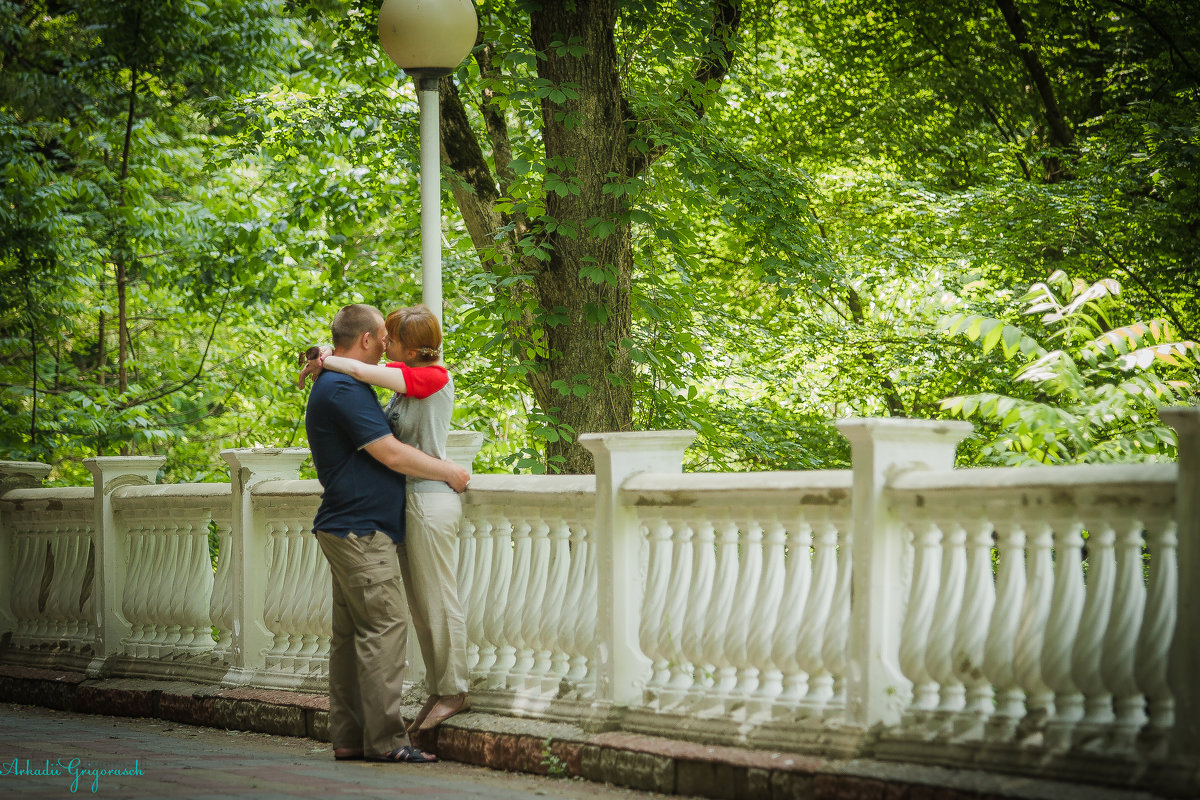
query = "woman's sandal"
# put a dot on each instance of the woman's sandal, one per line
(347, 755)
(407, 754)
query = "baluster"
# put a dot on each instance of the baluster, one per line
(465, 574)
(133, 574)
(477, 602)
(535, 604)
(514, 626)
(651, 628)
(1002, 632)
(309, 591)
(678, 591)
(177, 590)
(970, 636)
(568, 631)
(704, 566)
(193, 611)
(82, 589)
(293, 602)
(589, 611)
(743, 618)
(29, 563)
(497, 604)
(87, 606)
(1088, 653)
(835, 647)
(1120, 639)
(1154, 639)
(791, 615)
(720, 610)
(141, 558)
(939, 661)
(918, 619)
(81, 545)
(554, 608)
(764, 628)
(55, 612)
(816, 615)
(1027, 651)
(164, 594)
(39, 624)
(190, 589)
(220, 606)
(273, 604)
(319, 629)
(322, 606)
(201, 621)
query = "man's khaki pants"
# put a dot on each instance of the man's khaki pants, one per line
(366, 655)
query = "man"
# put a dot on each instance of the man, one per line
(361, 467)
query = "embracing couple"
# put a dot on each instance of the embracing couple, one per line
(388, 525)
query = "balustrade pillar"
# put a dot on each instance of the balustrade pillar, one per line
(13, 475)
(251, 639)
(462, 447)
(1184, 662)
(619, 660)
(876, 688)
(109, 473)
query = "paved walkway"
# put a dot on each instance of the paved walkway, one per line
(152, 758)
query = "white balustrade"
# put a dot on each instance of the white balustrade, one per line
(1027, 620)
(220, 604)
(169, 574)
(818, 617)
(298, 599)
(1053, 617)
(1158, 625)
(50, 585)
(528, 604)
(729, 597)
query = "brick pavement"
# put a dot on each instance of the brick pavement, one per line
(47, 753)
(640, 762)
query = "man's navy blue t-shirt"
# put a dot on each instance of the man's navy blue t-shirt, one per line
(361, 495)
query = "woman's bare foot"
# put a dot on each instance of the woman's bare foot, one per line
(445, 708)
(422, 714)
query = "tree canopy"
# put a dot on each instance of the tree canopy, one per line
(745, 218)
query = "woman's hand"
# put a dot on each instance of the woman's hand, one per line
(312, 361)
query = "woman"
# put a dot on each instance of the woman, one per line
(419, 414)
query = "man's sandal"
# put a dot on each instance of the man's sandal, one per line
(407, 755)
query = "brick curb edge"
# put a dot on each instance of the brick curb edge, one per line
(639, 762)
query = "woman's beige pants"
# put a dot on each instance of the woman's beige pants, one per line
(429, 562)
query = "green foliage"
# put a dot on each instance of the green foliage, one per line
(1094, 396)
(867, 170)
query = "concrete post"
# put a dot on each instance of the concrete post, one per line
(463, 446)
(1183, 663)
(13, 475)
(110, 544)
(248, 467)
(879, 449)
(620, 663)
(22, 475)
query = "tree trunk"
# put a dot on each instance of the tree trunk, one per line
(1060, 132)
(27, 271)
(588, 276)
(122, 244)
(582, 266)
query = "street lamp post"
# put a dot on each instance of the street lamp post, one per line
(428, 39)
